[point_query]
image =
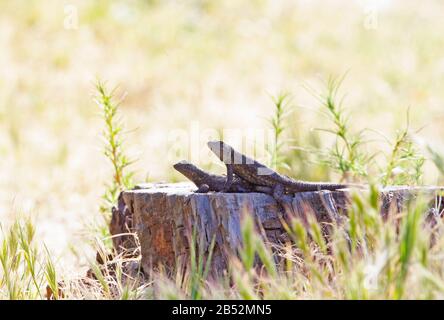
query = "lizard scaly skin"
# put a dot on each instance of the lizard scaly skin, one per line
(211, 182)
(258, 174)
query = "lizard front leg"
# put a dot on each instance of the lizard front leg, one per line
(278, 192)
(230, 175)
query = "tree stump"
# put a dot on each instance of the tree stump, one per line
(163, 216)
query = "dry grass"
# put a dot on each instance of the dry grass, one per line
(211, 64)
(365, 258)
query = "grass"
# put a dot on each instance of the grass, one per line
(366, 258)
(405, 162)
(282, 109)
(114, 151)
(381, 264)
(51, 165)
(346, 155)
(363, 258)
(25, 269)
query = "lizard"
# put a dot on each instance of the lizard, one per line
(259, 174)
(206, 182)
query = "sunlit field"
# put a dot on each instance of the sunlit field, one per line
(189, 71)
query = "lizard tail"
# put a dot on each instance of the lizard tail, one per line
(317, 186)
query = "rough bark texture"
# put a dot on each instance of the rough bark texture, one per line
(164, 215)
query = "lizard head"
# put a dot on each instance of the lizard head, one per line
(220, 149)
(184, 166)
(191, 171)
(228, 155)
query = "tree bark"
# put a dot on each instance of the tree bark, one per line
(164, 216)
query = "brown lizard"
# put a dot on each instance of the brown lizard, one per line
(258, 174)
(206, 182)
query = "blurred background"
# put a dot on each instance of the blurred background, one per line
(184, 64)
